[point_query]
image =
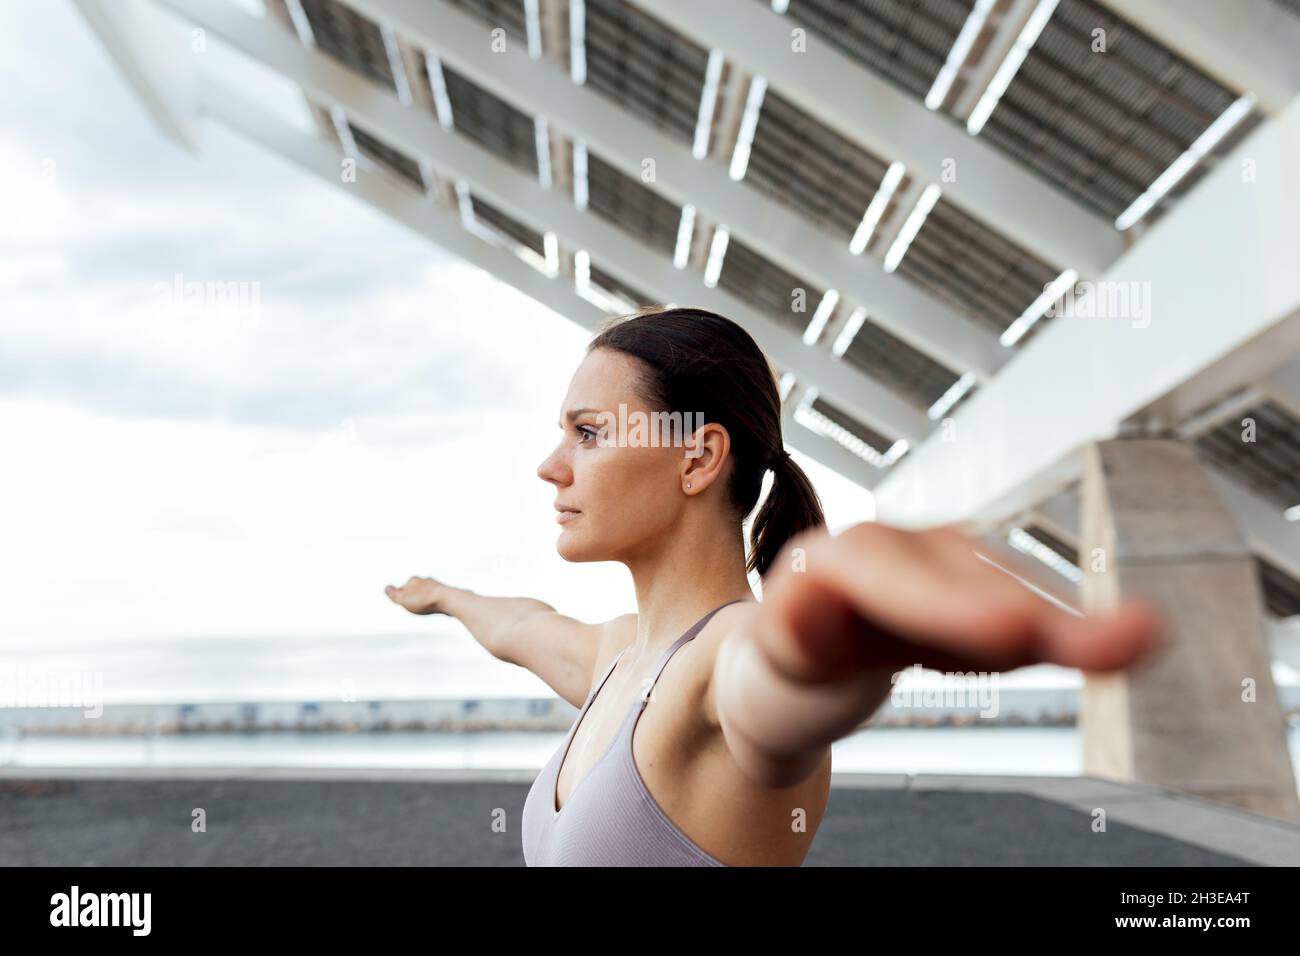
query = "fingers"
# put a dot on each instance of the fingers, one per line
(1096, 642)
(418, 595)
(396, 591)
(400, 594)
(924, 588)
(1104, 642)
(880, 596)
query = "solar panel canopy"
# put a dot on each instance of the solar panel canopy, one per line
(906, 293)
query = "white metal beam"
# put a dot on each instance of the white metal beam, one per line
(439, 224)
(895, 126)
(151, 50)
(1228, 407)
(1033, 573)
(627, 141)
(825, 450)
(1243, 368)
(1267, 534)
(1214, 279)
(1248, 45)
(420, 135)
(1283, 387)
(442, 227)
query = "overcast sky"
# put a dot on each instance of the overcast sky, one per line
(174, 470)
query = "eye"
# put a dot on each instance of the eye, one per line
(586, 432)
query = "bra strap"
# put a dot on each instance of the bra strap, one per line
(690, 634)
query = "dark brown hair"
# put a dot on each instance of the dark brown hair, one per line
(697, 361)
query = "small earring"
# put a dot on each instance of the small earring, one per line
(688, 484)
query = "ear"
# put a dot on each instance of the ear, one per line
(704, 456)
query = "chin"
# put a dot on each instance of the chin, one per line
(572, 549)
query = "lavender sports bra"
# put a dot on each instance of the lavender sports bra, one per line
(610, 818)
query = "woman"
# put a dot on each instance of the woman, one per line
(707, 717)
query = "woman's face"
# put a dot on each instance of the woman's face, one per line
(626, 494)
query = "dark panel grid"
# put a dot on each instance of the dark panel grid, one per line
(631, 205)
(491, 216)
(351, 38)
(1270, 464)
(764, 284)
(962, 261)
(806, 165)
(1281, 591)
(1043, 536)
(1103, 126)
(489, 120)
(906, 41)
(850, 424)
(896, 364)
(603, 280)
(507, 14)
(380, 153)
(643, 65)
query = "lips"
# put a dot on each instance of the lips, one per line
(565, 513)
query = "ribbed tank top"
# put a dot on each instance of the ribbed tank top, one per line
(610, 818)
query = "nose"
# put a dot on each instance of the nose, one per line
(553, 468)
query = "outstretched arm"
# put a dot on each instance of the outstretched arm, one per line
(561, 650)
(491, 620)
(815, 658)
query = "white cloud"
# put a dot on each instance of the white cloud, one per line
(178, 468)
(121, 529)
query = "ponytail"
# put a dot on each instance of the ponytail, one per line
(692, 360)
(791, 506)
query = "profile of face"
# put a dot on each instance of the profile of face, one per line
(627, 495)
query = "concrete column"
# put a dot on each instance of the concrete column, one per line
(1201, 716)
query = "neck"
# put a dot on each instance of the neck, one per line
(696, 568)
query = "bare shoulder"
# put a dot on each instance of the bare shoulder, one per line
(810, 773)
(616, 634)
(697, 667)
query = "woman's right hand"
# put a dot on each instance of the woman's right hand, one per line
(876, 596)
(418, 595)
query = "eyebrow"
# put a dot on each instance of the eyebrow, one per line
(571, 415)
